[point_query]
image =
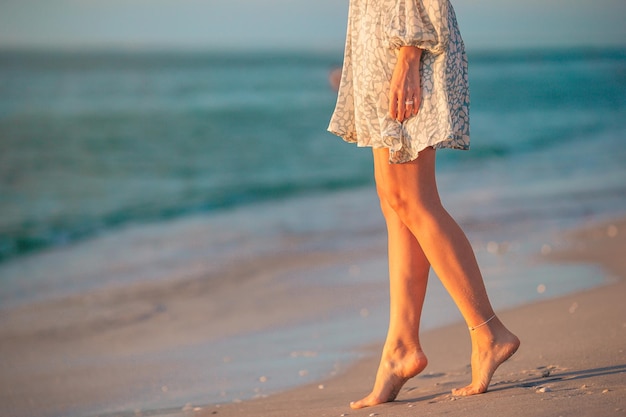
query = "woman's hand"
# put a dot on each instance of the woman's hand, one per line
(405, 92)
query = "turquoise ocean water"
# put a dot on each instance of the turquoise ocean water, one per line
(91, 142)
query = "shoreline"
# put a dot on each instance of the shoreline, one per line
(572, 360)
(136, 345)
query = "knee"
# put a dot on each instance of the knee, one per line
(394, 199)
(410, 205)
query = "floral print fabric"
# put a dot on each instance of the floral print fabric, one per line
(376, 29)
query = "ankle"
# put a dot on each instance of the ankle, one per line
(408, 358)
(484, 323)
(493, 334)
(401, 348)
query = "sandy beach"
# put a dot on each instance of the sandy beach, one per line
(110, 351)
(572, 361)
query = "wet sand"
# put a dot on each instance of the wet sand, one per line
(572, 360)
(99, 353)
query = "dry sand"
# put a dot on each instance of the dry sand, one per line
(572, 361)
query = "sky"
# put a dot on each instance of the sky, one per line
(291, 24)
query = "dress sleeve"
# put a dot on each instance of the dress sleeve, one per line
(421, 23)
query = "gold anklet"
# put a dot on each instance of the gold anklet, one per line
(483, 323)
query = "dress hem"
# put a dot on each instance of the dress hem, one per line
(401, 154)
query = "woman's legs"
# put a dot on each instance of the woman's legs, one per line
(410, 190)
(402, 356)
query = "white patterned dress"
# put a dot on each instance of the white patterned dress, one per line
(376, 30)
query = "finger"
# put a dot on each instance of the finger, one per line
(401, 109)
(404, 107)
(408, 107)
(412, 107)
(393, 106)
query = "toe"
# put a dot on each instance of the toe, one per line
(460, 392)
(365, 402)
(468, 390)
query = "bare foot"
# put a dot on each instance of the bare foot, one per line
(394, 370)
(491, 346)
